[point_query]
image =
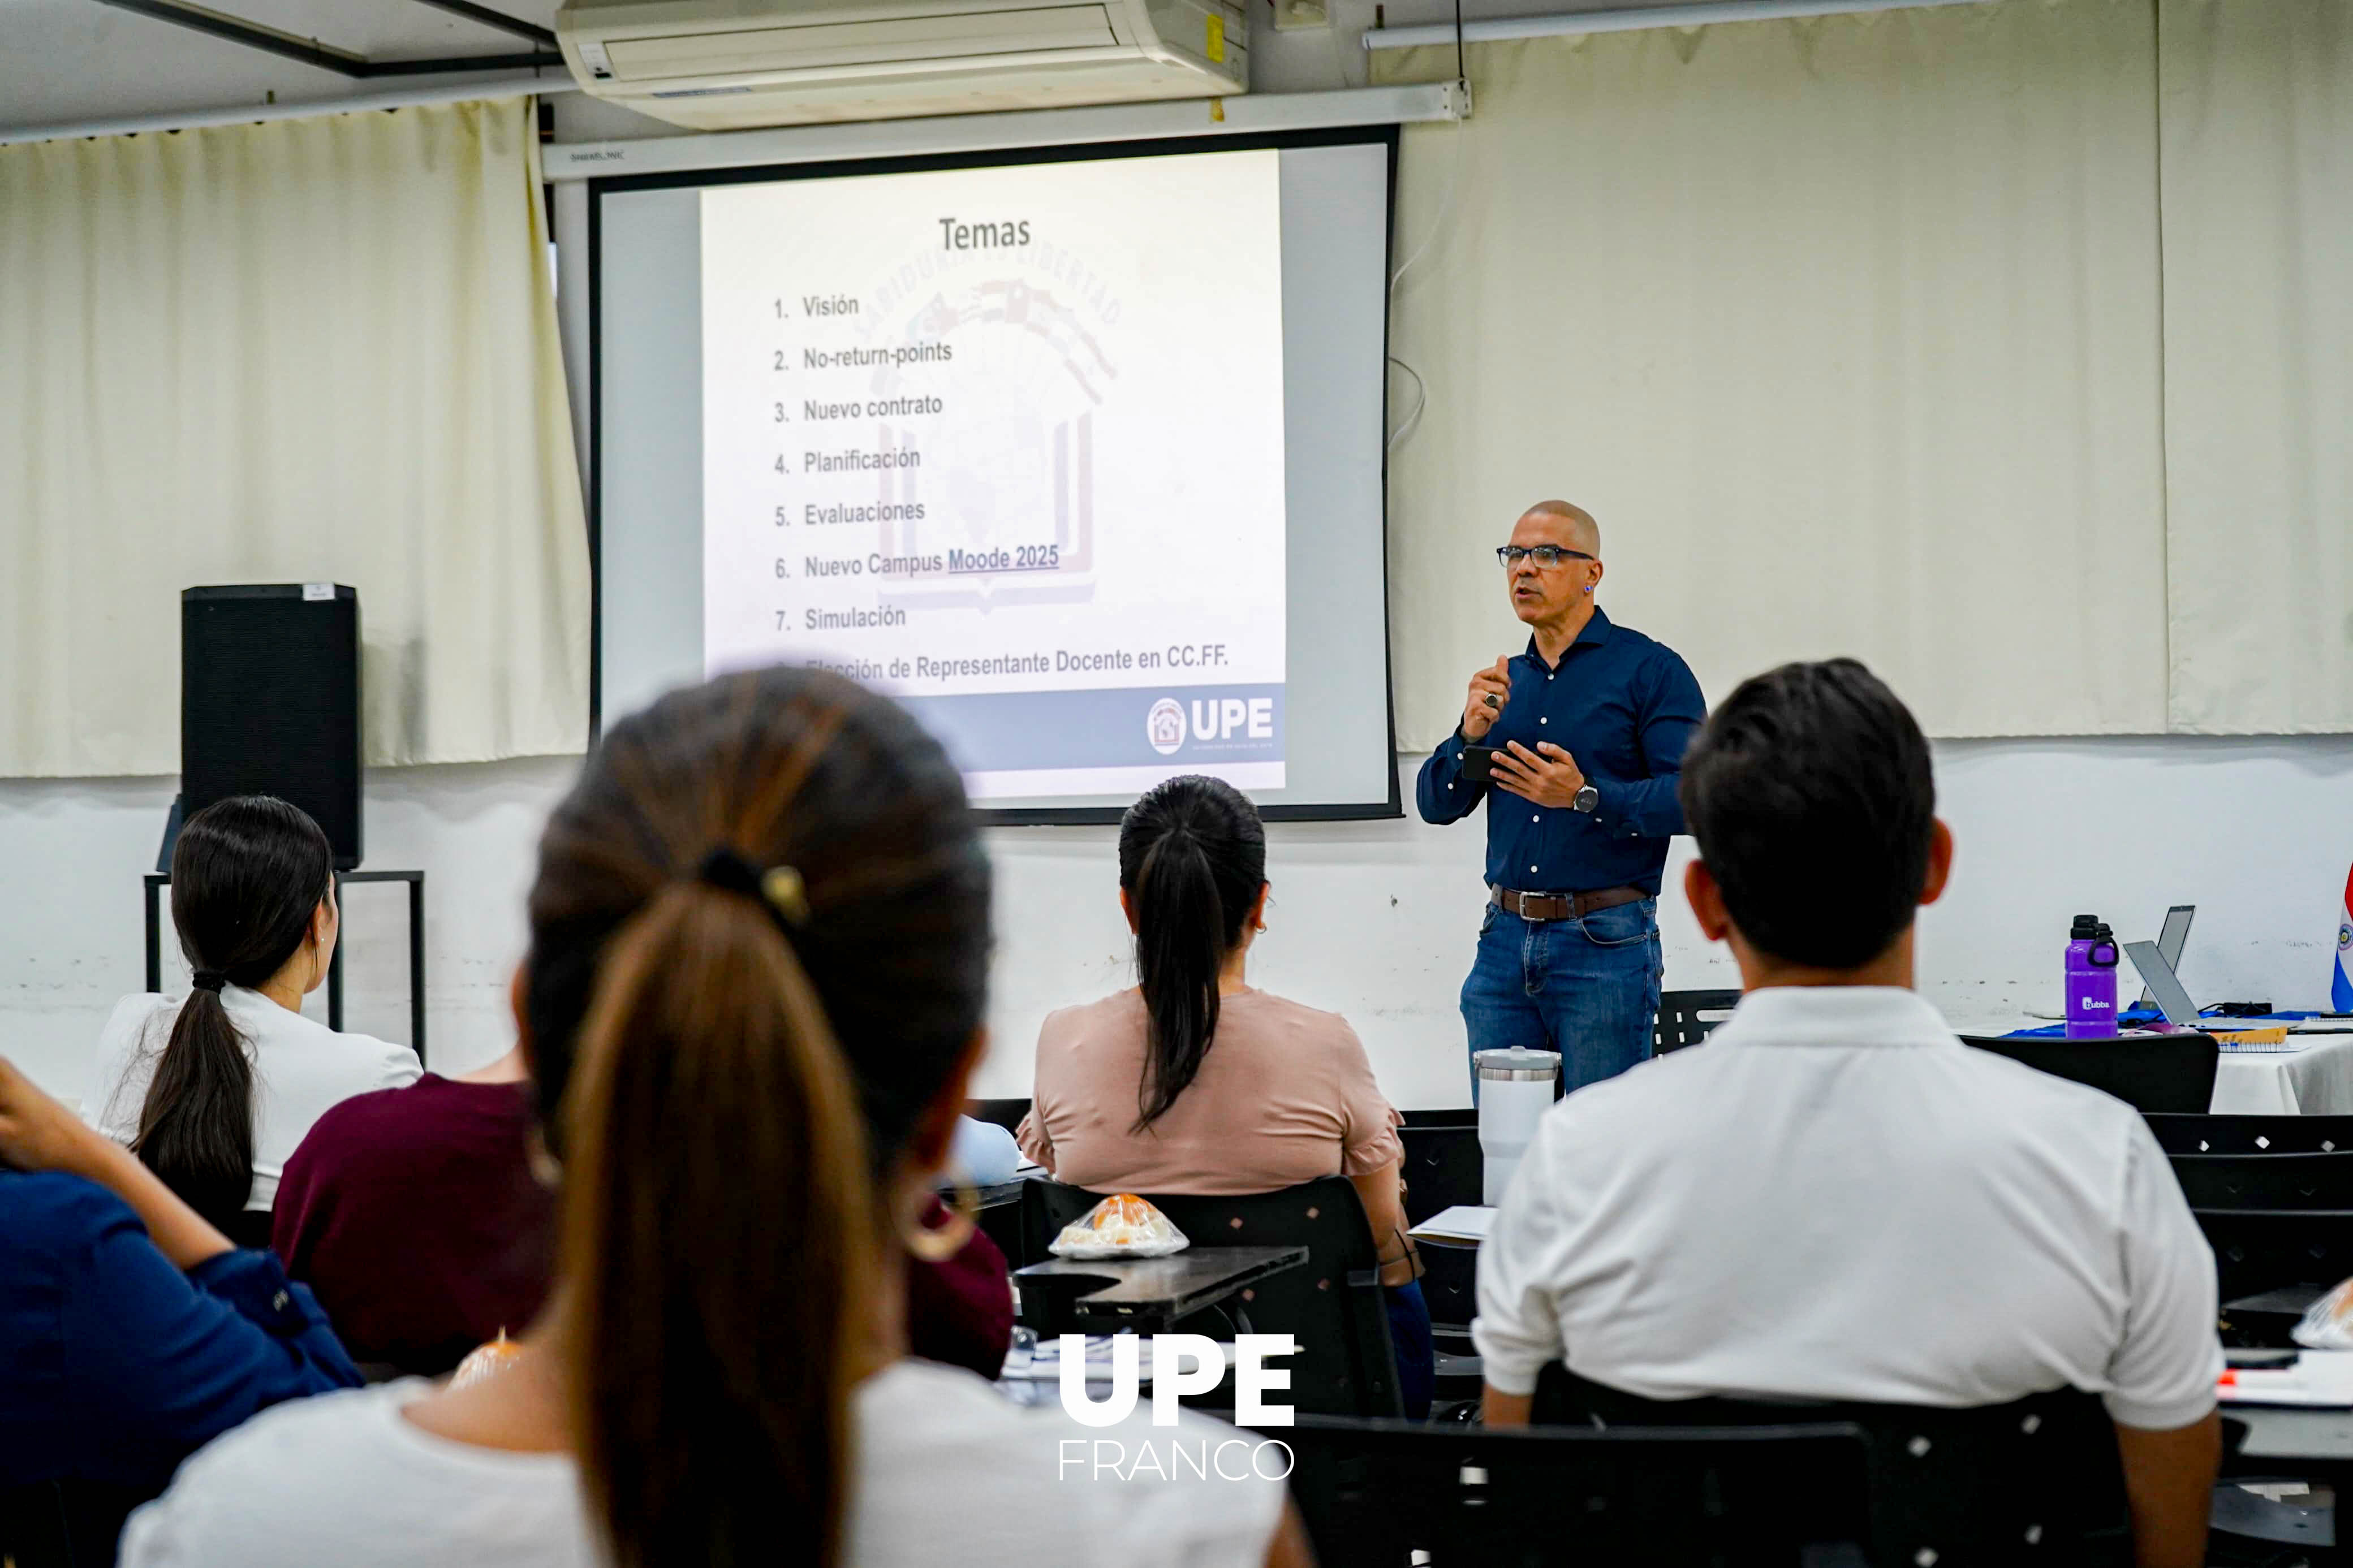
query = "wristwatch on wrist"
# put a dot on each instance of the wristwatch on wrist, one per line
(1588, 800)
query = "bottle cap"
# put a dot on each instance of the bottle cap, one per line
(2087, 927)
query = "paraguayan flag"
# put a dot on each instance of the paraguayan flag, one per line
(2341, 989)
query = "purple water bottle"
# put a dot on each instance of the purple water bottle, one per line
(2092, 959)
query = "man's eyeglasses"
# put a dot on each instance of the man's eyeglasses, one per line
(1545, 555)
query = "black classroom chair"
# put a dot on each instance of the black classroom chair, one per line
(2295, 1252)
(2266, 1181)
(2035, 1480)
(2147, 1072)
(1443, 1168)
(1687, 1017)
(250, 1229)
(66, 1524)
(1331, 1304)
(1004, 1113)
(1389, 1494)
(2187, 1134)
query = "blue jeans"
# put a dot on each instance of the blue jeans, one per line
(1414, 1346)
(1587, 988)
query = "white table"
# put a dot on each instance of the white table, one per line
(2315, 1081)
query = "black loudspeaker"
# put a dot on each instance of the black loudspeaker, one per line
(270, 701)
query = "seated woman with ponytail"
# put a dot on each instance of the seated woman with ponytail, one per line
(1196, 1082)
(759, 950)
(214, 1090)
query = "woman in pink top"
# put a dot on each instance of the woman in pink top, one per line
(1193, 1082)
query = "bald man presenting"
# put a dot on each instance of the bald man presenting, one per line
(1589, 726)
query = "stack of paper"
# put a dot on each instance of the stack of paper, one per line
(2319, 1378)
(1462, 1222)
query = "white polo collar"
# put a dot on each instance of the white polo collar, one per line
(1835, 1016)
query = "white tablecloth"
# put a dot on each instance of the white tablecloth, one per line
(2315, 1081)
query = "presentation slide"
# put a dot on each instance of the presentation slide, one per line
(1078, 453)
(1007, 444)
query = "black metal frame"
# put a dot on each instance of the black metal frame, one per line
(1387, 135)
(345, 62)
(158, 881)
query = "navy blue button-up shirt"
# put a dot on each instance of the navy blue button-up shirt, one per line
(1625, 708)
(117, 1366)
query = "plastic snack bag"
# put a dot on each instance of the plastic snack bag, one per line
(1122, 1226)
(2327, 1323)
(485, 1361)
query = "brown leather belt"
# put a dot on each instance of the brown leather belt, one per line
(1562, 906)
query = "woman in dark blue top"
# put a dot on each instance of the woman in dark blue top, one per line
(131, 1333)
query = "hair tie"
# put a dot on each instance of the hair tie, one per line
(210, 980)
(779, 889)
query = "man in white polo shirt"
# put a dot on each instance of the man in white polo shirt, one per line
(1832, 1197)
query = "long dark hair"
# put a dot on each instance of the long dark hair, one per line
(1192, 857)
(247, 874)
(759, 948)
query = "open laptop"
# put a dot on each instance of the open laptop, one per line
(2173, 999)
(2170, 940)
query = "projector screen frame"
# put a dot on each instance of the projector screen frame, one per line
(1386, 135)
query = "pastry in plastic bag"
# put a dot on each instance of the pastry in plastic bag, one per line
(485, 1361)
(1122, 1226)
(2327, 1323)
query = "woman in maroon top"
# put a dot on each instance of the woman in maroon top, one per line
(416, 1219)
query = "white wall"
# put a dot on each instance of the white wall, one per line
(1372, 919)
(72, 852)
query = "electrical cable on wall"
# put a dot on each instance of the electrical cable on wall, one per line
(1437, 228)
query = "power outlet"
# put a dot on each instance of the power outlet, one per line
(1302, 16)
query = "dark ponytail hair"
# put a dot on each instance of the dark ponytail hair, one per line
(728, 1060)
(1192, 857)
(248, 873)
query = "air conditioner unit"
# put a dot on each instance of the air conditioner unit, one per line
(723, 65)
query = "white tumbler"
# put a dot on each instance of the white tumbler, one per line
(1516, 1087)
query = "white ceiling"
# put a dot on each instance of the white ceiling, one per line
(67, 61)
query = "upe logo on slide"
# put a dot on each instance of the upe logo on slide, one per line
(1181, 1365)
(1165, 726)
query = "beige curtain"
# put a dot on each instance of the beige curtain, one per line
(2257, 97)
(1847, 330)
(318, 350)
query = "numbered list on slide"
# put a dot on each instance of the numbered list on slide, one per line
(1007, 444)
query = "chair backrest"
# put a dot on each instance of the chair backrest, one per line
(1685, 1017)
(2257, 1250)
(1387, 1494)
(1331, 1304)
(250, 1229)
(2266, 1181)
(1004, 1113)
(66, 1524)
(2036, 1481)
(2147, 1072)
(1443, 1167)
(2185, 1135)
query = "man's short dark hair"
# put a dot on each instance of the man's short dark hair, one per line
(1811, 796)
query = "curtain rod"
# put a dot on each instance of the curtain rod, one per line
(1569, 23)
(255, 113)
